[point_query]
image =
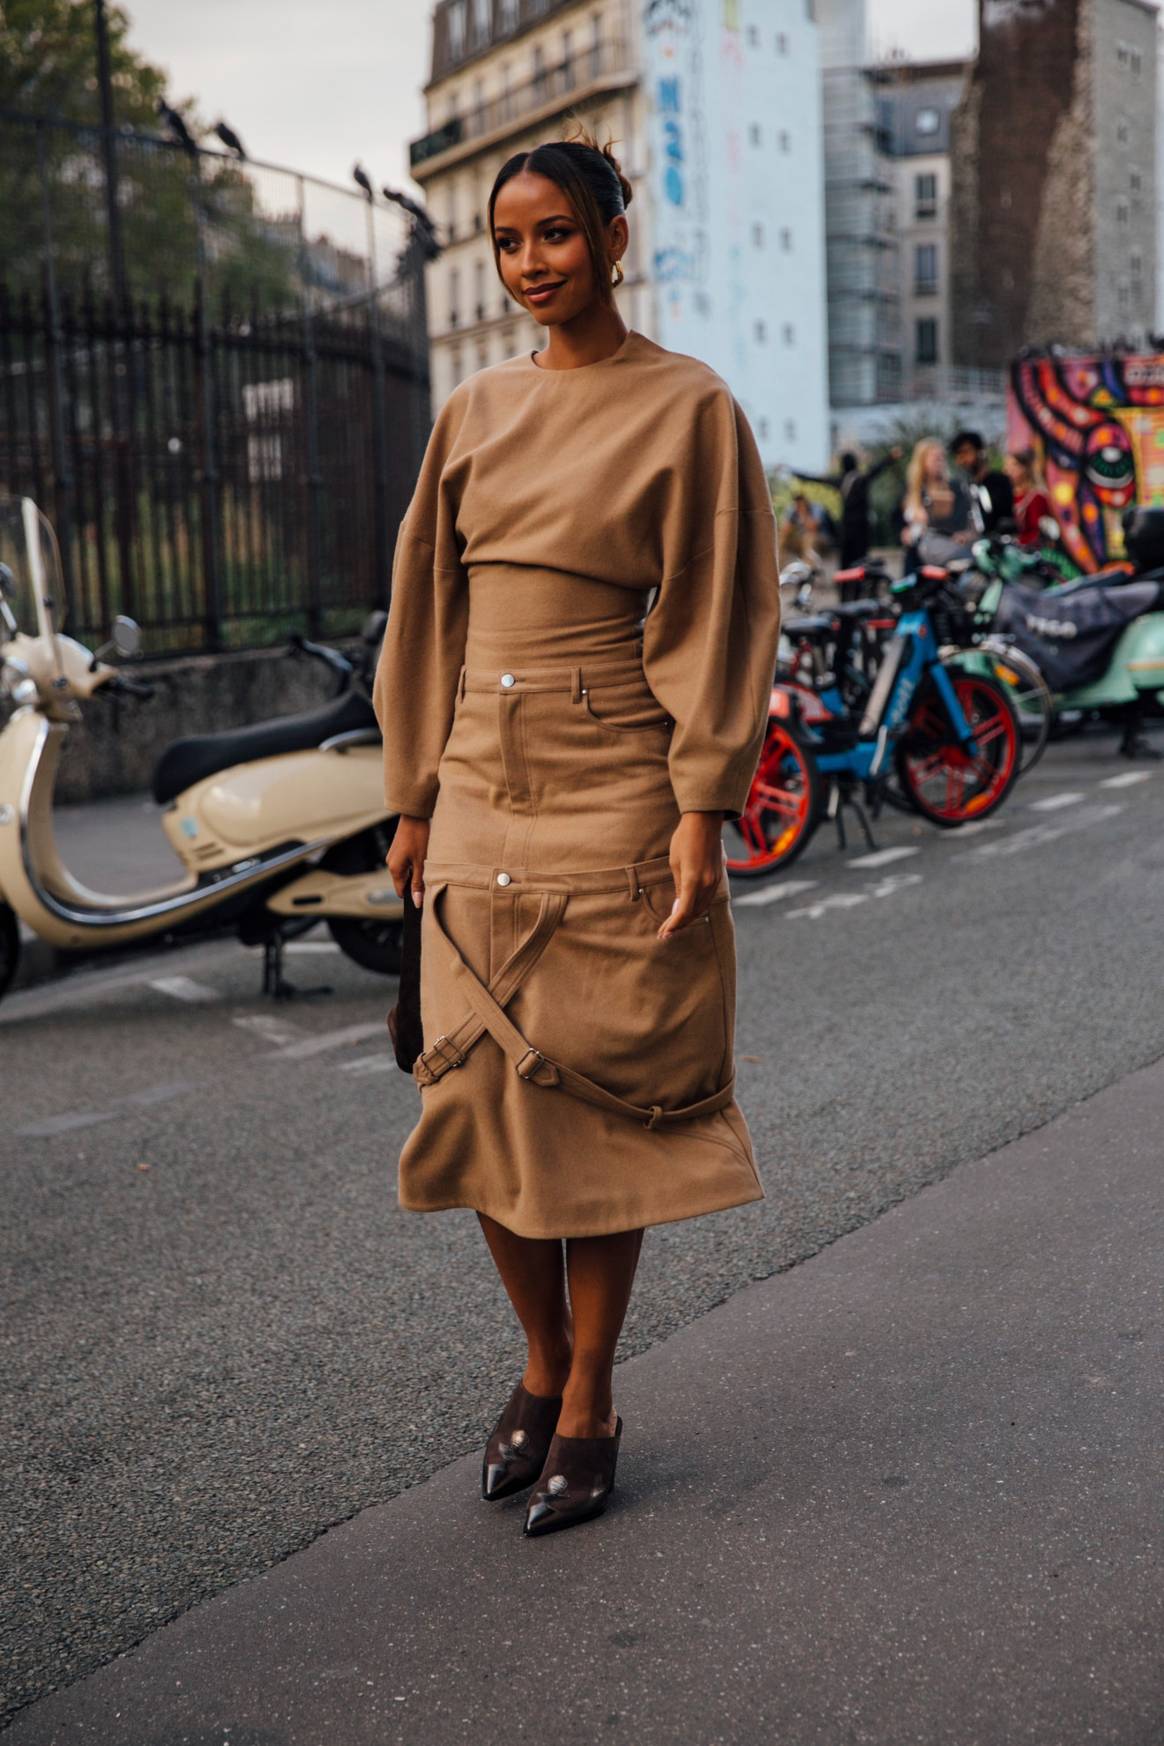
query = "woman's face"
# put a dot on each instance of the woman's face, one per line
(540, 243)
(934, 465)
(1015, 471)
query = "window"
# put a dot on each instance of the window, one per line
(925, 269)
(482, 353)
(1122, 296)
(456, 17)
(925, 196)
(508, 14)
(1121, 53)
(479, 104)
(595, 44)
(1135, 181)
(781, 43)
(568, 55)
(789, 430)
(926, 341)
(763, 429)
(1136, 264)
(788, 334)
(455, 364)
(1122, 132)
(927, 122)
(753, 36)
(761, 332)
(784, 140)
(479, 289)
(755, 137)
(758, 235)
(482, 10)
(539, 69)
(1137, 63)
(786, 241)
(1121, 211)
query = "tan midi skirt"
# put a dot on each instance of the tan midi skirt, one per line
(577, 1075)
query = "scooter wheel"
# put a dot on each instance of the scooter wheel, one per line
(9, 946)
(373, 944)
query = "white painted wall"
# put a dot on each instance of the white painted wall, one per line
(735, 191)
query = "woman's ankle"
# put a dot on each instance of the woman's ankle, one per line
(546, 1373)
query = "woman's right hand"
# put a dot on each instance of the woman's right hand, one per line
(407, 855)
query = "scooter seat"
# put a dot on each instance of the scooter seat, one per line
(815, 625)
(188, 761)
(857, 609)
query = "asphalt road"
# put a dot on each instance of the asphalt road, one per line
(223, 1336)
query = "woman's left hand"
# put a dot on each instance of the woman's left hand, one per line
(697, 859)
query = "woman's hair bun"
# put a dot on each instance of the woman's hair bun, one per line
(584, 136)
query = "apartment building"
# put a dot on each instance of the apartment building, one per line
(915, 101)
(714, 111)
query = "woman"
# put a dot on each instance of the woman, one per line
(799, 533)
(935, 503)
(562, 767)
(1031, 502)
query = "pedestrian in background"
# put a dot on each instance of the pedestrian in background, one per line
(1031, 502)
(968, 453)
(562, 761)
(935, 503)
(853, 483)
(799, 532)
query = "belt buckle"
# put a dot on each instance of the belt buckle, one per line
(538, 1060)
(455, 1059)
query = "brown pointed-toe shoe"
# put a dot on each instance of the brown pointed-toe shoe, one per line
(574, 1484)
(516, 1450)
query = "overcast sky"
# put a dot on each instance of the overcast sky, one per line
(317, 85)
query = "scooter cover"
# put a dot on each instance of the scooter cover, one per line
(1073, 637)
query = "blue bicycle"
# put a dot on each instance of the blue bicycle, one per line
(947, 731)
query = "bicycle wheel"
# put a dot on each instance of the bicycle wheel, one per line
(947, 784)
(1030, 695)
(784, 804)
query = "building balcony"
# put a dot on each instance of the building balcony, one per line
(590, 73)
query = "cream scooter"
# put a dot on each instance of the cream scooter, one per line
(278, 825)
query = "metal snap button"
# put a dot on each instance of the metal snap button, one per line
(507, 680)
(503, 879)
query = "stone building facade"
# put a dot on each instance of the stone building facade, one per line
(1053, 197)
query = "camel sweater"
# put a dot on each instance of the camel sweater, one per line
(637, 472)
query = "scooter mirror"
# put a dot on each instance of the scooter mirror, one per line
(374, 626)
(1048, 527)
(125, 635)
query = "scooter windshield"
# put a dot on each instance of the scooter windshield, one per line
(31, 578)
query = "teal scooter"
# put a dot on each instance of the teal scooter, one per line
(1099, 640)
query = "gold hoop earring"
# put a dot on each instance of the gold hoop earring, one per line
(616, 275)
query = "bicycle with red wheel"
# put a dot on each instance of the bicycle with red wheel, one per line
(948, 733)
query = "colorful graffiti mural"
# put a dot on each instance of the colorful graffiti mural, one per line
(1097, 425)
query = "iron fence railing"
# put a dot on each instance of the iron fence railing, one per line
(224, 431)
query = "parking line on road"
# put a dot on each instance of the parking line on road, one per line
(64, 1124)
(979, 824)
(1052, 802)
(311, 946)
(839, 900)
(774, 893)
(184, 988)
(1035, 836)
(1127, 779)
(882, 857)
(369, 1064)
(329, 1040)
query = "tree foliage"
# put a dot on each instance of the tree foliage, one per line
(48, 70)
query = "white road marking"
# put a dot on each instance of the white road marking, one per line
(774, 893)
(980, 824)
(184, 988)
(64, 1124)
(151, 1094)
(330, 1040)
(369, 1064)
(1127, 779)
(1052, 802)
(839, 900)
(883, 857)
(893, 883)
(269, 1028)
(1035, 836)
(311, 946)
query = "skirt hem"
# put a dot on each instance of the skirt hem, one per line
(605, 1230)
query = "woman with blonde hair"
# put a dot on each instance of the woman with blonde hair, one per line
(933, 502)
(562, 752)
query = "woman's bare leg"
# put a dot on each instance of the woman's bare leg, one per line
(533, 1274)
(601, 1271)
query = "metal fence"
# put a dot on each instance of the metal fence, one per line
(225, 430)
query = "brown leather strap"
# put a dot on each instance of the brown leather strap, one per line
(530, 1063)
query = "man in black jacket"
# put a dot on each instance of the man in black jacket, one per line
(853, 484)
(968, 452)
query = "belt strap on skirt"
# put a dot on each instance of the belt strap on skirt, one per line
(531, 1064)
